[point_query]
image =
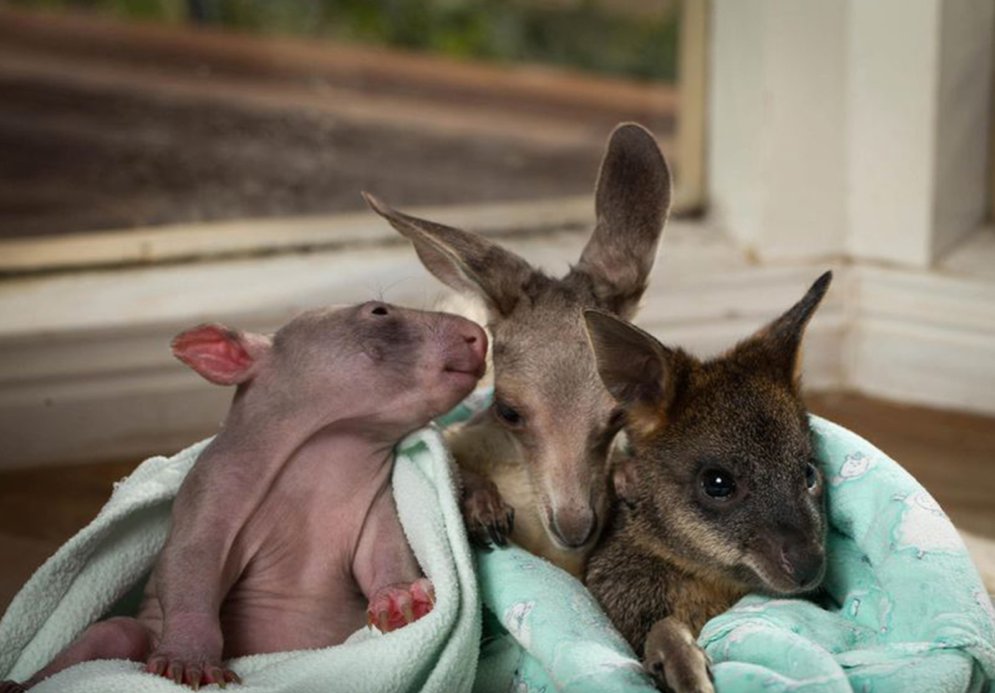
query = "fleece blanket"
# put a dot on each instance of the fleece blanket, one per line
(903, 608)
(109, 557)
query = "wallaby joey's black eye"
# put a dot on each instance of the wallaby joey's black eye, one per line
(718, 483)
(379, 310)
(811, 476)
(508, 415)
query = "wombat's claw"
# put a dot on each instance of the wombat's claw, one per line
(395, 606)
(489, 520)
(193, 675)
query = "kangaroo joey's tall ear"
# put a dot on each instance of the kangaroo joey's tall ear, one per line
(462, 260)
(221, 355)
(631, 202)
(780, 341)
(639, 372)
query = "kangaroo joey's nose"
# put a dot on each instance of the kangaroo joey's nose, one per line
(804, 562)
(574, 527)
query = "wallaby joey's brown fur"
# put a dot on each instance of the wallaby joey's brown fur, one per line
(720, 494)
(534, 464)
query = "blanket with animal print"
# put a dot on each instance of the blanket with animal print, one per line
(902, 607)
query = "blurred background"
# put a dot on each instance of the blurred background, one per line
(168, 162)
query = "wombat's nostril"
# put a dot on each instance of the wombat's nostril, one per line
(470, 340)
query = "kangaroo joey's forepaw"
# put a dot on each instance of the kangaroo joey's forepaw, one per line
(12, 687)
(675, 661)
(395, 606)
(190, 671)
(489, 520)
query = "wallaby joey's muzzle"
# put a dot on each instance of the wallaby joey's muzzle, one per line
(789, 562)
(806, 564)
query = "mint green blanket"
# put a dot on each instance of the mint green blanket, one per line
(904, 609)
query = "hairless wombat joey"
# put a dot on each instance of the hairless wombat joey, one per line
(285, 535)
(721, 494)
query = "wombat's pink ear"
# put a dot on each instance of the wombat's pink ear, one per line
(221, 355)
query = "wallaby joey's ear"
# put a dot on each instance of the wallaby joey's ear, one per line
(631, 202)
(781, 339)
(462, 260)
(638, 371)
(221, 355)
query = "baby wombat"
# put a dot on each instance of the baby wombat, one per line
(285, 535)
(720, 496)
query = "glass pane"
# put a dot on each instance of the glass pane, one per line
(121, 114)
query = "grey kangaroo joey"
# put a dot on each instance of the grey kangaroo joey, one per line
(285, 535)
(719, 495)
(533, 465)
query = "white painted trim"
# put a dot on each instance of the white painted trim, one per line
(922, 337)
(86, 374)
(223, 239)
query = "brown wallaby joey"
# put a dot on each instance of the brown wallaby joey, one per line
(719, 495)
(534, 466)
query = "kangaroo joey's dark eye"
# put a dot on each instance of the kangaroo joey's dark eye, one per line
(811, 476)
(507, 415)
(718, 483)
(616, 420)
(379, 310)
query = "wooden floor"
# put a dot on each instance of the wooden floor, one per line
(952, 454)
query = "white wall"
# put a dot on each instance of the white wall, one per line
(776, 141)
(850, 127)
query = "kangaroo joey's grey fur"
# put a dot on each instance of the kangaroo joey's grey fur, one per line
(534, 465)
(720, 494)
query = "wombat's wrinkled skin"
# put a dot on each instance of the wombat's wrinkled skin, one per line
(285, 535)
(721, 495)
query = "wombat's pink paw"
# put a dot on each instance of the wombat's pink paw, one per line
(395, 606)
(192, 673)
(11, 687)
(489, 520)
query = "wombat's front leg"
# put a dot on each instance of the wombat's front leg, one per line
(674, 659)
(190, 652)
(387, 571)
(395, 606)
(194, 571)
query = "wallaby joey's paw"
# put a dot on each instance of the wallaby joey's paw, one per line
(395, 606)
(190, 671)
(489, 520)
(11, 687)
(674, 659)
